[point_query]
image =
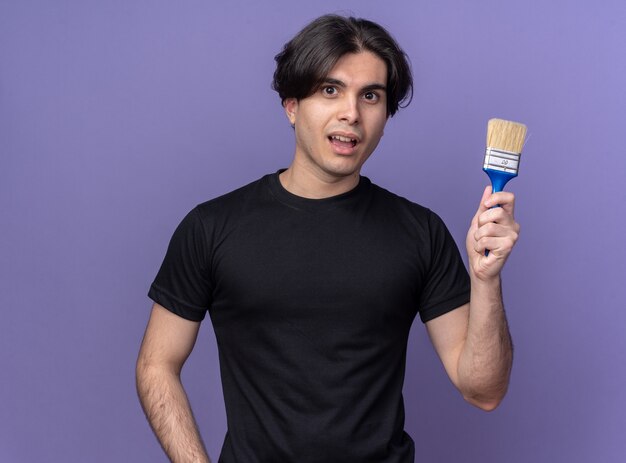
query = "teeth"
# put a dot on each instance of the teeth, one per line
(344, 139)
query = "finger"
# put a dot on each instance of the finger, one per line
(499, 246)
(482, 207)
(494, 230)
(504, 199)
(498, 215)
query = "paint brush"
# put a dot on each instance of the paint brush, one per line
(505, 140)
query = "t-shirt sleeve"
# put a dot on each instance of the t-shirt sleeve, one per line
(182, 284)
(447, 284)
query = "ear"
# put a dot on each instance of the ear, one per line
(291, 109)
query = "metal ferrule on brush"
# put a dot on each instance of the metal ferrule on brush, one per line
(502, 161)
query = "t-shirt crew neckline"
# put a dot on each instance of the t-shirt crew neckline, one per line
(309, 204)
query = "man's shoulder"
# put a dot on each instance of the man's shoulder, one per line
(408, 212)
(234, 199)
(400, 203)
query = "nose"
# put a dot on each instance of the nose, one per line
(349, 112)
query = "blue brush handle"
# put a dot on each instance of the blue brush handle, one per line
(498, 180)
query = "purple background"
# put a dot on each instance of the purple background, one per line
(117, 117)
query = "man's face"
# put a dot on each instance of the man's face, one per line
(340, 125)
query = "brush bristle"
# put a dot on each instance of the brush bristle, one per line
(506, 135)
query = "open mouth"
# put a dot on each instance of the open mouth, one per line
(345, 142)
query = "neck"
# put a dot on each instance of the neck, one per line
(300, 182)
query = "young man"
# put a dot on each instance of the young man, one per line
(313, 275)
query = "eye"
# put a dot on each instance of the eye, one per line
(371, 96)
(329, 90)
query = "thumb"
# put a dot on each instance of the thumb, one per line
(481, 207)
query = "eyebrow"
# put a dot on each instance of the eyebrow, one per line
(367, 88)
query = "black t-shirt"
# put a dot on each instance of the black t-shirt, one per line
(312, 302)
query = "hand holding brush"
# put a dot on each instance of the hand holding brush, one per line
(493, 232)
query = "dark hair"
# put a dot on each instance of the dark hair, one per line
(306, 60)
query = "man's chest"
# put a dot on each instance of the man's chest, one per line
(319, 266)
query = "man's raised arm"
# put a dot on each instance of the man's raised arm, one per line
(473, 341)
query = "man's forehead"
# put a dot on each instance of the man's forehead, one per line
(363, 68)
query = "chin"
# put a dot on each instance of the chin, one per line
(347, 166)
(343, 169)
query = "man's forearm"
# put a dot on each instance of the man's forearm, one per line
(487, 356)
(167, 408)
